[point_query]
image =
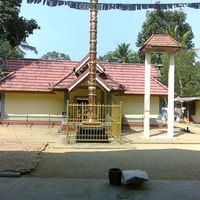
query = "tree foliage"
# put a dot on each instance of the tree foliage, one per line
(7, 51)
(14, 30)
(55, 56)
(171, 22)
(122, 54)
(186, 69)
(187, 73)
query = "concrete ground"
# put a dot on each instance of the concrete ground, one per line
(80, 171)
(90, 189)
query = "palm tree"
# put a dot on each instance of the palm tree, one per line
(7, 51)
(25, 46)
(123, 53)
(174, 31)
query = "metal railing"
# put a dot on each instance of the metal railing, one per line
(106, 128)
(31, 119)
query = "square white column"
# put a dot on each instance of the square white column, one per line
(170, 132)
(147, 94)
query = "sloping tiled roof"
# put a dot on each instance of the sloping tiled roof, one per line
(81, 65)
(160, 41)
(70, 82)
(131, 76)
(34, 75)
(45, 76)
(65, 81)
(112, 84)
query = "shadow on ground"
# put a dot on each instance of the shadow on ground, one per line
(165, 164)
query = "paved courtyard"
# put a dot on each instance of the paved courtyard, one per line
(44, 153)
(52, 169)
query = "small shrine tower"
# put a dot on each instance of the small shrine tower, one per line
(160, 43)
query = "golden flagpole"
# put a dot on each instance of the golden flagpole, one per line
(92, 64)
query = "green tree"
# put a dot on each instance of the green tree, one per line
(14, 30)
(174, 24)
(108, 57)
(122, 54)
(162, 22)
(187, 73)
(55, 56)
(196, 87)
(181, 38)
(7, 51)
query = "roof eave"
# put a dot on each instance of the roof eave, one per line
(72, 86)
(81, 64)
(167, 49)
(102, 83)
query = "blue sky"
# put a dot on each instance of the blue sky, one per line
(66, 30)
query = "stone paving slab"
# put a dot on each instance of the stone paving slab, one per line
(18, 157)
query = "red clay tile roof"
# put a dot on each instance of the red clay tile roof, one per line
(77, 80)
(161, 41)
(70, 82)
(34, 75)
(131, 76)
(45, 76)
(65, 82)
(110, 83)
(81, 63)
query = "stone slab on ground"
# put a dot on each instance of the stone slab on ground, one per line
(94, 189)
(18, 157)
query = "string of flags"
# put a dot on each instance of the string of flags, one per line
(111, 6)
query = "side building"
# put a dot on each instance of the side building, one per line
(188, 108)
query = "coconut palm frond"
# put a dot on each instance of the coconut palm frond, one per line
(24, 45)
(185, 37)
(28, 47)
(173, 31)
(122, 52)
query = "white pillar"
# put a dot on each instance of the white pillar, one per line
(147, 94)
(170, 109)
